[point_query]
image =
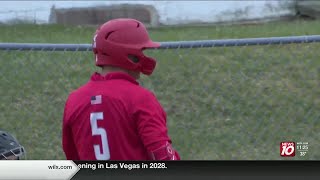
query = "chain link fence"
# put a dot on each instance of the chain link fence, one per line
(231, 100)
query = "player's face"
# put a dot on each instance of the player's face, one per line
(136, 75)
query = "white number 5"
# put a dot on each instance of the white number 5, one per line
(104, 153)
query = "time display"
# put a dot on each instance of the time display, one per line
(302, 147)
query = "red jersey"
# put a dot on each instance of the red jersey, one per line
(112, 118)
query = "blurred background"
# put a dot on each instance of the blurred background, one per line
(223, 103)
(155, 13)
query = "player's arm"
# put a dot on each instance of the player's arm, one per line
(68, 145)
(163, 150)
(152, 128)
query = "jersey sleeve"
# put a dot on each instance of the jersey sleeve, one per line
(68, 145)
(152, 127)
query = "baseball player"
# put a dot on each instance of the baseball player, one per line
(10, 149)
(112, 117)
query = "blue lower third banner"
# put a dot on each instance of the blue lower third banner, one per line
(75, 170)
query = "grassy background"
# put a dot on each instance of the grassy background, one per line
(222, 103)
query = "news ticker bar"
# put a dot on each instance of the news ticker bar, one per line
(65, 170)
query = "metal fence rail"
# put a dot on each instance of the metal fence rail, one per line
(170, 45)
(238, 101)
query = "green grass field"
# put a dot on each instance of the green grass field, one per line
(222, 103)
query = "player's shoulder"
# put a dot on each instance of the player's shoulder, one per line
(144, 92)
(76, 93)
(145, 96)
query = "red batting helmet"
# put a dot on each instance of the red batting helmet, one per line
(120, 43)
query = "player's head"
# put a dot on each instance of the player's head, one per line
(120, 43)
(10, 149)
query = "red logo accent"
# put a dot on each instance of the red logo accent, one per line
(287, 149)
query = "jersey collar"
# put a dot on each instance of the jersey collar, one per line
(114, 75)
